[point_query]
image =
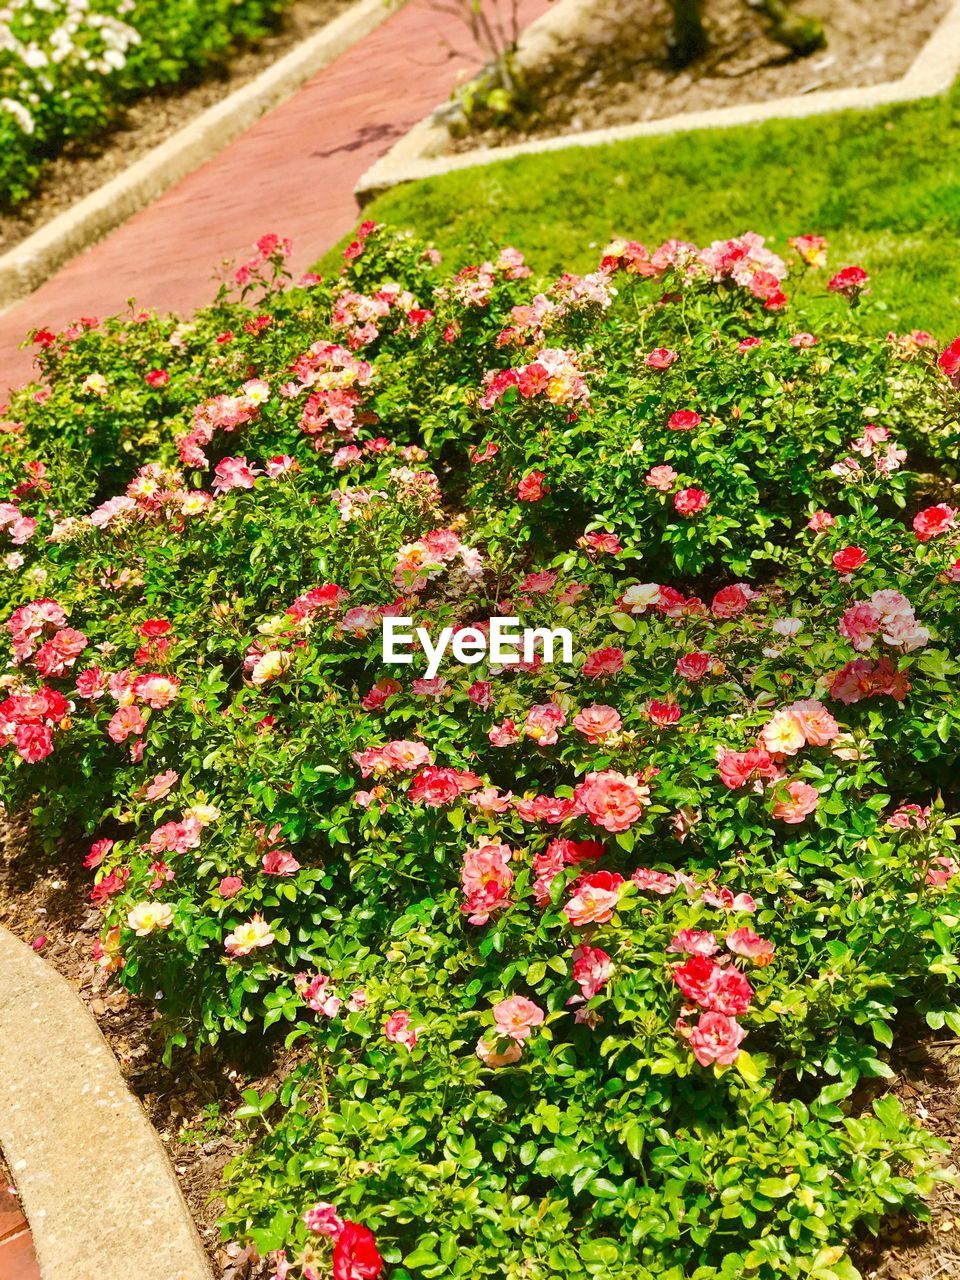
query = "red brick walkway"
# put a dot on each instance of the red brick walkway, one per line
(293, 172)
(17, 1259)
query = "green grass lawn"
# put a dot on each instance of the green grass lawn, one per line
(883, 185)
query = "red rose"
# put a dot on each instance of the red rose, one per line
(738, 767)
(607, 544)
(532, 380)
(34, 742)
(949, 361)
(661, 358)
(729, 601)
(696, 978)
(663, 713)
(849, 559)
(933, 521)
(603, 662)
(531, 488)
(684, 420)
(155, 627)
(355, 1254)
(693, 666)
(690, 502)
(850, 283)
(436, 786)
(481, 693)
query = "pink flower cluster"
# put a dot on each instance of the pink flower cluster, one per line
(28, 720)
(355, 1252)
(486, 879)
(803, 723)
(360, 315)
(422, 561)
(269, 248)
(865, 679)
(875, 444)
(716, 988)
(473, 286)
(221, 414)
(20, 528)
(554, 374)
(399, 756)
(334, 379)
(888, 614)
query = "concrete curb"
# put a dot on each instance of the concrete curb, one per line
(100, 1196)
(417, 155)
(24, 267)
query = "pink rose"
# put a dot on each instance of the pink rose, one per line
(661, 478)
(595, 899)
(398, 1030)
(744, 942)
(800, 800)
(933, 521)
(661, 358)
(683, 420)
(611, 800)
(516, 1017)
(716, 1038)
(690, 502)
(597, 722)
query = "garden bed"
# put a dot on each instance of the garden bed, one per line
(87, 164)
(190, 1104)
(614, 70)
(567, 947)
(928, 1083)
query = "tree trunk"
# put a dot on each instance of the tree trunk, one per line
(688, 40)
(801, 35)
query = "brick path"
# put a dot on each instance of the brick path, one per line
(293, 172)
(17, 1259)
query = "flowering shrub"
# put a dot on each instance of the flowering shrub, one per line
(586, 958)
(67, 66)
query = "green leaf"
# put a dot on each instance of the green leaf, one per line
(774, 1188)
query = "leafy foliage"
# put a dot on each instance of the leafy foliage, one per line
(585, 960)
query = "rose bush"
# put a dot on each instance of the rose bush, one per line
(584, 962)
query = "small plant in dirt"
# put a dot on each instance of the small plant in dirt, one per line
(585, 955)
(499, 93)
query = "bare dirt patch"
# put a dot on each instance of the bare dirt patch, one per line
(616, 70)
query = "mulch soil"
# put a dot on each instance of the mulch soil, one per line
(616, 70)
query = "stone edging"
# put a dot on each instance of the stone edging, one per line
(417, 154)
(100, 1196)
(24, 267)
